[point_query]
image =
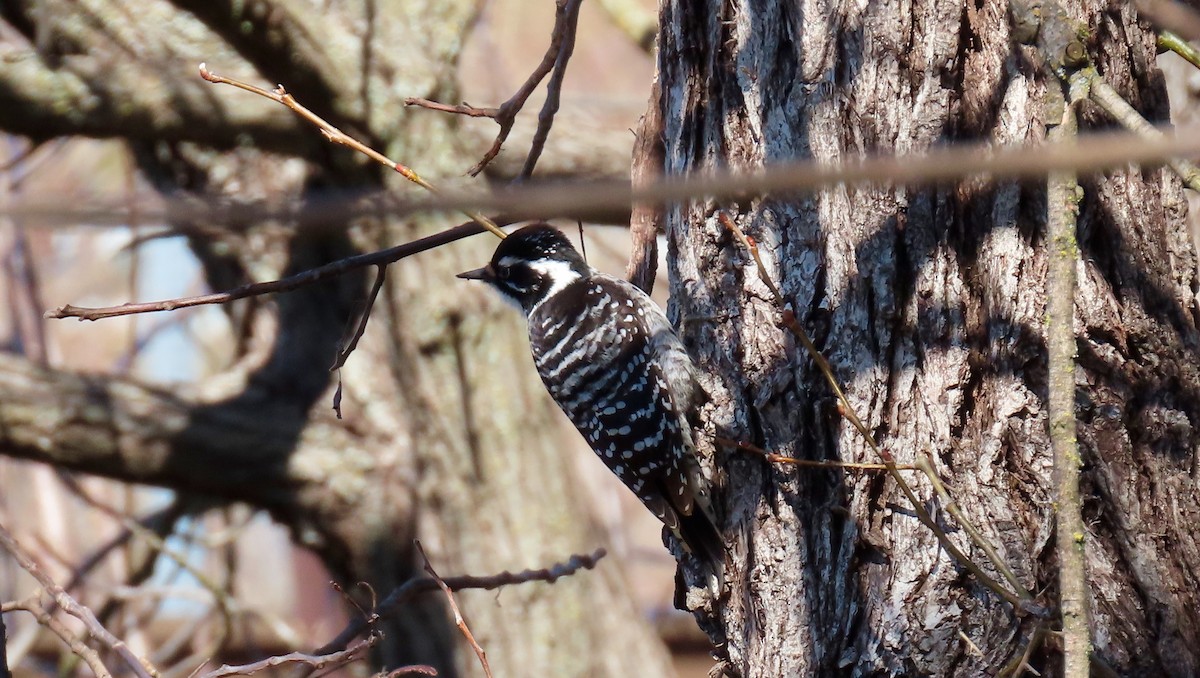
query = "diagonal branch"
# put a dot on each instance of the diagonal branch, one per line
(311, 276)
(413, 587)
(336, 136)
(139, 666)
(459, 621)
(562, 43)
(327, 662)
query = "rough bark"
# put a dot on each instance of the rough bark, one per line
(439, 397)
(929, 303)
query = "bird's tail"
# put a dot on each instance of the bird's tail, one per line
(703, 539)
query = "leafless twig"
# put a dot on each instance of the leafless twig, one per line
(562, 42)
(399, 595)
(459, 621)
(47, 620)
(809, 463)
(331, 660)
(311, 276)
(360, 327)
(139, 666)
(553, 87)
(335, 135)
(1186, 50)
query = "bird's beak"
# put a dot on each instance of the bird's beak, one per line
(484, 273)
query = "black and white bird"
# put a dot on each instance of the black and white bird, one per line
(610, 359)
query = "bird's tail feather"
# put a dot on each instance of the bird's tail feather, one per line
(704, 540)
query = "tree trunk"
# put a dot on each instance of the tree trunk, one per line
(929, 303)
(441, 400)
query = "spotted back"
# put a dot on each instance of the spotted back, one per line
(609, 359)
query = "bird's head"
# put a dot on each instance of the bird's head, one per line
(530, 265)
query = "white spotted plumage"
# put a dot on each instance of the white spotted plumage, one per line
(611, 360)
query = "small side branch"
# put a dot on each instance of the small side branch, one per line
(1186, 50)
(309, 277)
(1115, 105)
(140, 667)
(336, 136)
(562, 44)
(329, 661)
(810, 463)
(459, 621)
(413, 587)
(46, 618)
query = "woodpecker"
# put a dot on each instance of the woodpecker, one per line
(611, 360)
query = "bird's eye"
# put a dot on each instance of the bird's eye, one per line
(504, 272)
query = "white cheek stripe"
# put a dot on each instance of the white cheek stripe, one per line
(559, 273)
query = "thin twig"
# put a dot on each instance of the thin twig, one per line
(1186, 50)
(359, 328)
(459, 621)
(316, 661)
(1020, 665)
(505, 114)
(309, 277)
(553, 89)
(335, 135)
(1115, 105)
(413, 587)
(139, 666)
(1063, 251)
(46, 619)
(1022, 600)
(810, 463)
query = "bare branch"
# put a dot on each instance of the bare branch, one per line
(1062, 206)
(1175, 43)
(139, 666)
(358, 329)
(330, 661)
(562, 40)
(46, 619)
(309, 277)
(554, 87)
(336, 136)
(809, 463)
(459, 621)
(413, 587)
